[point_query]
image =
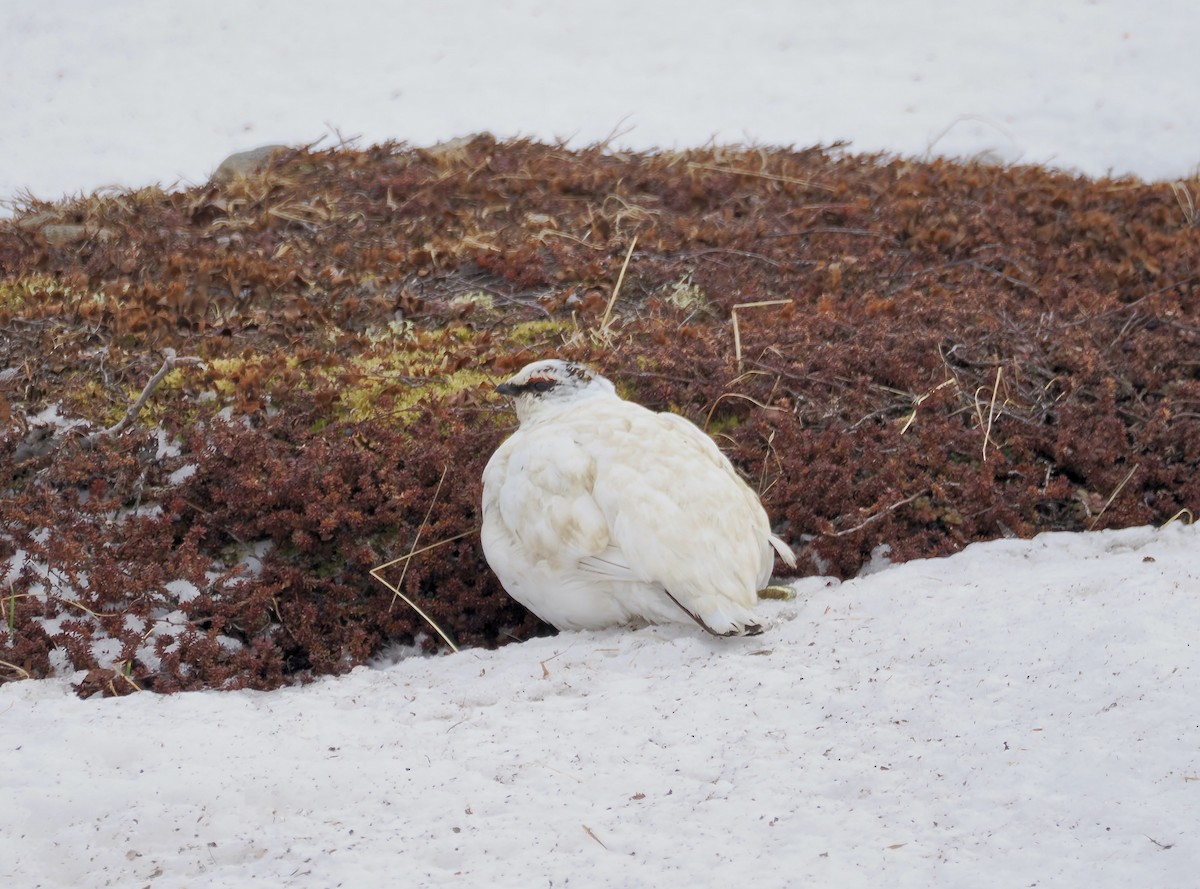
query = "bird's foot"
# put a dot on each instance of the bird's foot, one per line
(775, 591)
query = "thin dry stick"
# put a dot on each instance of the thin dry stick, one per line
(121, 674)
(12, 597)
(437, 490)
(756, 402)
(715, 168)
(374, 572)
(912, 418)
(1113, 496)
(987, 433)
(170, 362)
(604, 322)
(877, 516)
(411, 604)
(737, 333)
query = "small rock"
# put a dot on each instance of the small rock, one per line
(454, 149)
(40, 442)
(66, 234)
(244, 163)
(35, 221)
(452, 146)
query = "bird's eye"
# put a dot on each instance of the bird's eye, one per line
(542, 384)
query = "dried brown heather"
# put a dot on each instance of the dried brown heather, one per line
(916, 354)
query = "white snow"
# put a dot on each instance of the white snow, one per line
(133, 92)
(1021, 713)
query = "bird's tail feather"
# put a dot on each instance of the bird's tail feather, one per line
(785, 551)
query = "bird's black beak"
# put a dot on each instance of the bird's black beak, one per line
(508, 389)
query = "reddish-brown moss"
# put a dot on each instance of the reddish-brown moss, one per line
(967, 352)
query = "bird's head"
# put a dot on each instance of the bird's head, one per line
(547, 386)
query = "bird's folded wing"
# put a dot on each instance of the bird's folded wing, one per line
(677, 512)
(610, 564)
(541, 486)
(706, 446)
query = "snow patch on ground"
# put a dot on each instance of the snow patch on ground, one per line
(1021, 712)
(137, 91)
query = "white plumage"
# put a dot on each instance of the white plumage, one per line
(598, 512)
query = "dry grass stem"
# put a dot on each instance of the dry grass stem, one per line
(411, 604)
(912, 417)
(395, 588)
(1113, 496)
(987, 430)
(774, 177)
(24, 673)
(753, 401)
(1184, 515)
(122, 674)
(541, 237)
(737, 333)
(11, 599)
(607, 319)
(771, 454)
(1187, 204)
(590, 833)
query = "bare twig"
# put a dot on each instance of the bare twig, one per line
(1125, 307)
(170, 362)
(829, 230)
(728, 251)
(877, 516)
(1015, 282)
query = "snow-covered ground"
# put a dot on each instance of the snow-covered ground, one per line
(1022, 713)
(133, 92)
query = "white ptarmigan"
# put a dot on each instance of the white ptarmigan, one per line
(598, 512)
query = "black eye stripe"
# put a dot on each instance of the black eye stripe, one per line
(540, 385)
